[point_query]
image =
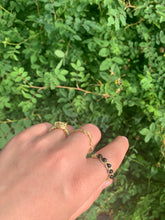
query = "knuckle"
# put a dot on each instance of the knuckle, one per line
(94, 128)
(45, 125)
(21, 137)
(59, 158)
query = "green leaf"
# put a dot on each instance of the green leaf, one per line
(104, 75)
(62, 77)
(144, 131)
(4, 128)
(148, 137)
(59, 53)
(3, 142)
(117, 25)
(43, 59)
(81, 69)
(14, 73)
(71, 94)
(152, 127)
(74, 66)
(64, 93)
(154, 170)
(106, 64)
(52, 85)
(73, 74)
(21, 70)
(24, 74)
(77, 37)
(59, 65)
(117, 60)
(34, 100)
(56, 81)
(78, 63)
(33, 58)
(18, 79)
(162, 37)
(104, 52)
(38, 95)
(123, 19)
(64, 72)
(111, 21)
(119, 106)
(26, 95)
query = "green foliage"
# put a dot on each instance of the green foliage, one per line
(92, 61)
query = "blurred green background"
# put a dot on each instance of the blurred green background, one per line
(93, 61)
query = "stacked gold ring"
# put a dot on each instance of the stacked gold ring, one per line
(63, 126)
(60, 125)
(90, 137)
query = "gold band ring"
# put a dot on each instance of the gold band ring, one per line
(60, 125)
(107, 165)
(90, 137)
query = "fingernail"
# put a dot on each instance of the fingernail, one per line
(123, 139)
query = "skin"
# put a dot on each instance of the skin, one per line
(46, 175)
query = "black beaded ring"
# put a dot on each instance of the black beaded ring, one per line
(106, 164)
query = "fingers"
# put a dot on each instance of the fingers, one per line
(114, 153)
(31, 133)
(56, 135)
(81, 142)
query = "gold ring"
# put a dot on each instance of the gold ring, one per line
(107, 165)
(90, 137)
(60, 125)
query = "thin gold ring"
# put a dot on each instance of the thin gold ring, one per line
(60, 125)
(90, 137)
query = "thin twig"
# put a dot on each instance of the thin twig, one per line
(5, 10)
(38, 9)
(75, 88)
(54, 12)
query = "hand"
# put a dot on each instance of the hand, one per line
(46, 175)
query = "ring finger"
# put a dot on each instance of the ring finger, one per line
(83, 139)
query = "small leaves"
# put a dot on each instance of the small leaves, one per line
(111, 20)
(99, 62)
(117, 24)
(104, 52)
(59, 53)
(123, 19)
(71, 94)
(106, 64)
(26, 95)
(118, 60)
(148, 133)
(77, 66)
(62, 78)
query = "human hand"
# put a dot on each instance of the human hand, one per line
(46, 175)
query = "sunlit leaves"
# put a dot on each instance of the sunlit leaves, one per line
(91, 61)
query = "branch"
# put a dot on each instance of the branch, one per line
(5, 10)
(67, 87)
(38, 9)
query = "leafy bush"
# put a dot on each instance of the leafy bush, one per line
(92, 61)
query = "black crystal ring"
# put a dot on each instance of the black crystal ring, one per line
(106, 164)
